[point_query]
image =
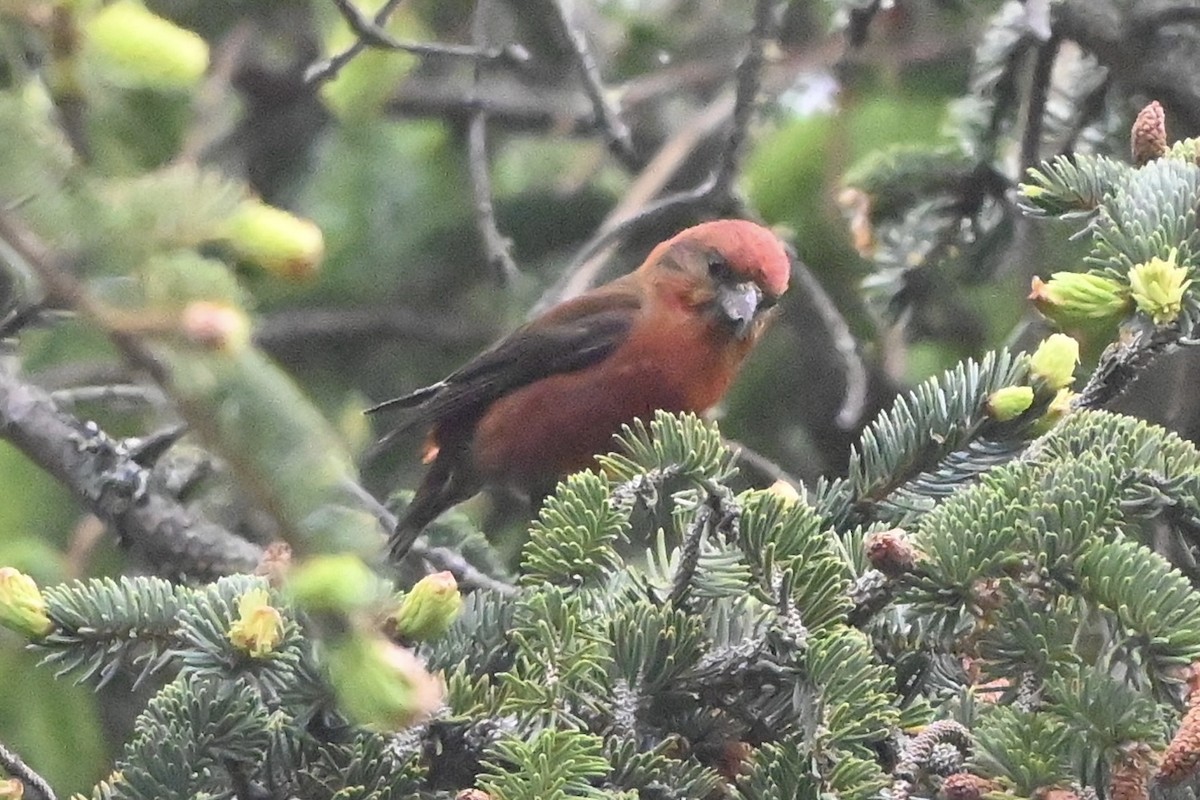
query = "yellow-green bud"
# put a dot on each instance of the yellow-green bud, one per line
(333, 583)
(1053, 363)
(22, 607)
(1071, 299)
(1009, 402)
(215, 325)
(785, 491)
(280, 242)
(137, 47)
(1059, 407)
(428, 610)
(258, 630)
(381, 684)
(1158, 286)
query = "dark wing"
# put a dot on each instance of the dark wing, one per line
(570, 337)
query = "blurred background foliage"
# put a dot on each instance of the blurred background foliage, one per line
(886, 147)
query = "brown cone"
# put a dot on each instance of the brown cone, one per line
(1148, 139)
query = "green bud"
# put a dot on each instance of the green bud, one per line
(1009, 402)
(258, 630)
(1059, 407)
(1158, 287)
(1072, 299)
(340, 583)
(22, 607)
(381, 684)
(1053, 363)
(137, 47)
(428, 610)
(278, 241)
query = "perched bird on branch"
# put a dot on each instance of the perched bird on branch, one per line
(546, 399)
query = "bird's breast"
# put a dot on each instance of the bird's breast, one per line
(534, 435)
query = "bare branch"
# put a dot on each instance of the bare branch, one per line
(715, 194)
(308, 327)
(757, 462)
(35, 785)
(371, 33)
(854, 396)
(608, 116)
(495, 245)
(122, 394)
(1035, 109)
(439, 558)
(1122, 361)
(717, 512)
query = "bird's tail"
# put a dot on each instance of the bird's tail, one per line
(408, 529)
(442, 487)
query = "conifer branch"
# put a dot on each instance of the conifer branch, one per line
(35, 786)
(111, 485)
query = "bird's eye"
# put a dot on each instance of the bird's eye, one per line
(718, 267)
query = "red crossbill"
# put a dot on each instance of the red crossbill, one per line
(547, 398)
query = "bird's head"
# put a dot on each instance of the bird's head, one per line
(734, 269)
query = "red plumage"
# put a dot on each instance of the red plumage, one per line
(547, 398)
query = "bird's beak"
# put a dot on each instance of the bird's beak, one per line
(739, 302)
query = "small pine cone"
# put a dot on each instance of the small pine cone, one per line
(1130, 776)
(891, 552)
(1029, 692)
(275, 563)
(920, 748)
(1182, 756)
(1148, 139)
(734, 759)
(946, 759)
(965, 786)
(472, 794)
(1191, 676)
(1056, 793)
(989, 595)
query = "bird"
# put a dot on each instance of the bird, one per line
(547, 398)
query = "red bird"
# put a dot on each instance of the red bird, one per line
(546, 399)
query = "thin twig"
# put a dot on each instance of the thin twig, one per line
(748, 83)
(1035, 109)
(689, 555)
(717, 512)
(495, 245)
(466, 575)
(34, 784)
(309, 327)
(371, 33)
(439, 558)
(760, 463)
(628, 219)
(608, 116)
(715, 193)
(121, 393)
(854, 396)
(213, 98)
(330, 67)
